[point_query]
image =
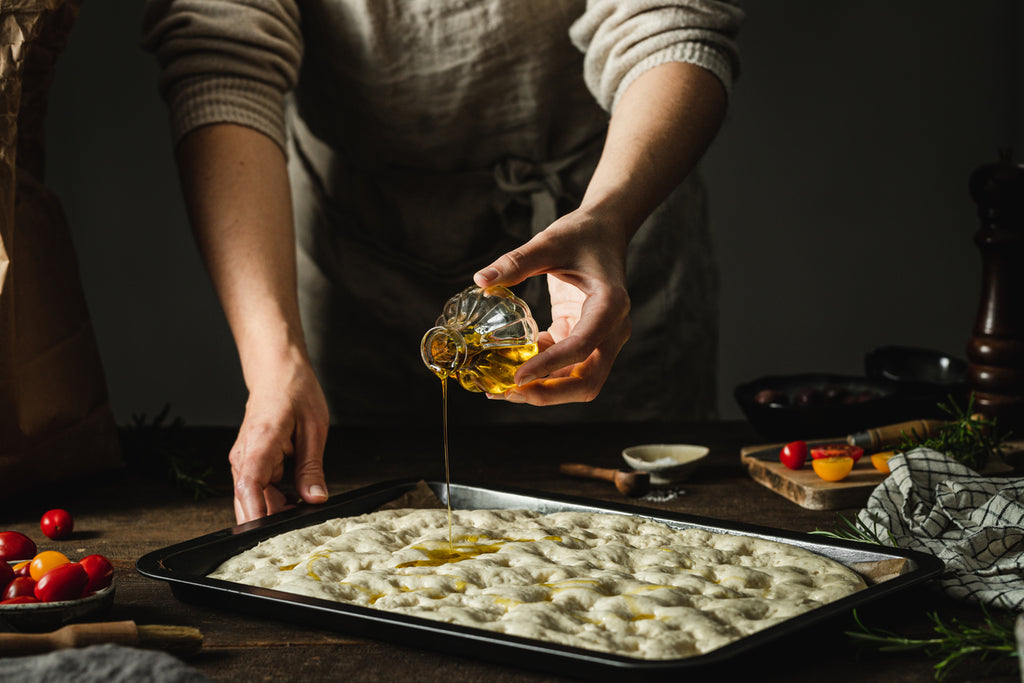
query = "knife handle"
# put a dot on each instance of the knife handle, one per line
(878, 438)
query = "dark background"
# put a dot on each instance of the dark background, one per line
(838, 186)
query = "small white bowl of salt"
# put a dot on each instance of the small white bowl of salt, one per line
(666, 463)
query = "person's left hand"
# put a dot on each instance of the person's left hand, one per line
(585, 262)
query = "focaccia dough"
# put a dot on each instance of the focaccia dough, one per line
(614, 583)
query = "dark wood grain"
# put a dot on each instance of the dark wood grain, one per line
(130, 513)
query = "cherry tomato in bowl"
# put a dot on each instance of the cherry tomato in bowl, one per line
(6, 575)
(19, 585)
(21, 600)
(794, 454)
(57, 524)
(15, 545)
(66, 582)
(45, 562)
(100, 571)
(837, 450)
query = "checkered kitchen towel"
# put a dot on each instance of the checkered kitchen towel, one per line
(974, 524)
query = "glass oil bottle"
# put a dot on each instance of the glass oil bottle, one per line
(481, 338)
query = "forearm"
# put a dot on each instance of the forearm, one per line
(662, 125)
(236, 189)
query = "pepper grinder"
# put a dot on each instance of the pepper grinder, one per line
(995, 351)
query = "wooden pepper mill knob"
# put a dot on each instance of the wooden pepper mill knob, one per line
(995, 351)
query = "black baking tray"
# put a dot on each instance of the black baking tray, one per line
(185, 566)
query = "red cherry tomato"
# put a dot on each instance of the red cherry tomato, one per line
(22, 568)
(794, 455)
(6, 576)
(20, 600)
(44, 562)
(100, 571)
(66, 582)
(16, 546)
(837, 450)
(57, 524)
(20, 585)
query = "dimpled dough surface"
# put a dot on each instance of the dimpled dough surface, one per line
(613, 583)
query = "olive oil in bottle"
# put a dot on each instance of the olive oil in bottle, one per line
(481, 338)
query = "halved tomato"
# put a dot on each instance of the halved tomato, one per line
(833, 468)
(881, 460)
(836, 450)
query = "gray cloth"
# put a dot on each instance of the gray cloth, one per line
(99, 664)
(427, 137)
(974, 524)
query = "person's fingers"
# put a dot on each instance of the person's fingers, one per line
(275, 500)
(239, 513)
(603, 323)
(254, 463)
(249, 496)
(578, 383)
(310, 439)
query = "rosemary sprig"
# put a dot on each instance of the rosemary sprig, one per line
(159, 448)
(857, 530)
(952, 644)
(970, 439)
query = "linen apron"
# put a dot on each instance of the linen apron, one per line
(410, 174)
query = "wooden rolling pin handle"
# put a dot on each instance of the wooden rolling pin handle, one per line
(72, 635)
(576, 469)
(628, 483)
(879, 438)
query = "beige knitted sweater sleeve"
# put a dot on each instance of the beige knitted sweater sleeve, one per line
(234, 60)
(622, 39)
(225, 61)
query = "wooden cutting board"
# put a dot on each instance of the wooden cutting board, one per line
(807, 489)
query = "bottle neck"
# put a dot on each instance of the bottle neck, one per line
(444, 350)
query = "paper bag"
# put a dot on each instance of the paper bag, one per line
(55, 417)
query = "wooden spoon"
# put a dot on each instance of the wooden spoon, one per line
(629, 483)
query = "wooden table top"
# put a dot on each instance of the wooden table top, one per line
(128, 513)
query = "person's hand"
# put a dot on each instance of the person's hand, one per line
(585, 261)
(285, 416)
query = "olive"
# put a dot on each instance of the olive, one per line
(773, 397)
(808, 396)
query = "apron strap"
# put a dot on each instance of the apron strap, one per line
(538, 184)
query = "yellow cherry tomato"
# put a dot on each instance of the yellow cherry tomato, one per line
(881, 460)
(44, 562)
(833, 468)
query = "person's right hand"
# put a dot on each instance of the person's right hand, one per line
(285, 416)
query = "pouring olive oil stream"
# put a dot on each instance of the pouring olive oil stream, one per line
(480, 339)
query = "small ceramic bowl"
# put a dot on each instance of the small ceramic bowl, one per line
(49, 616)
(666, 463)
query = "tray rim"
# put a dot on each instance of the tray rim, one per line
(403, 629)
